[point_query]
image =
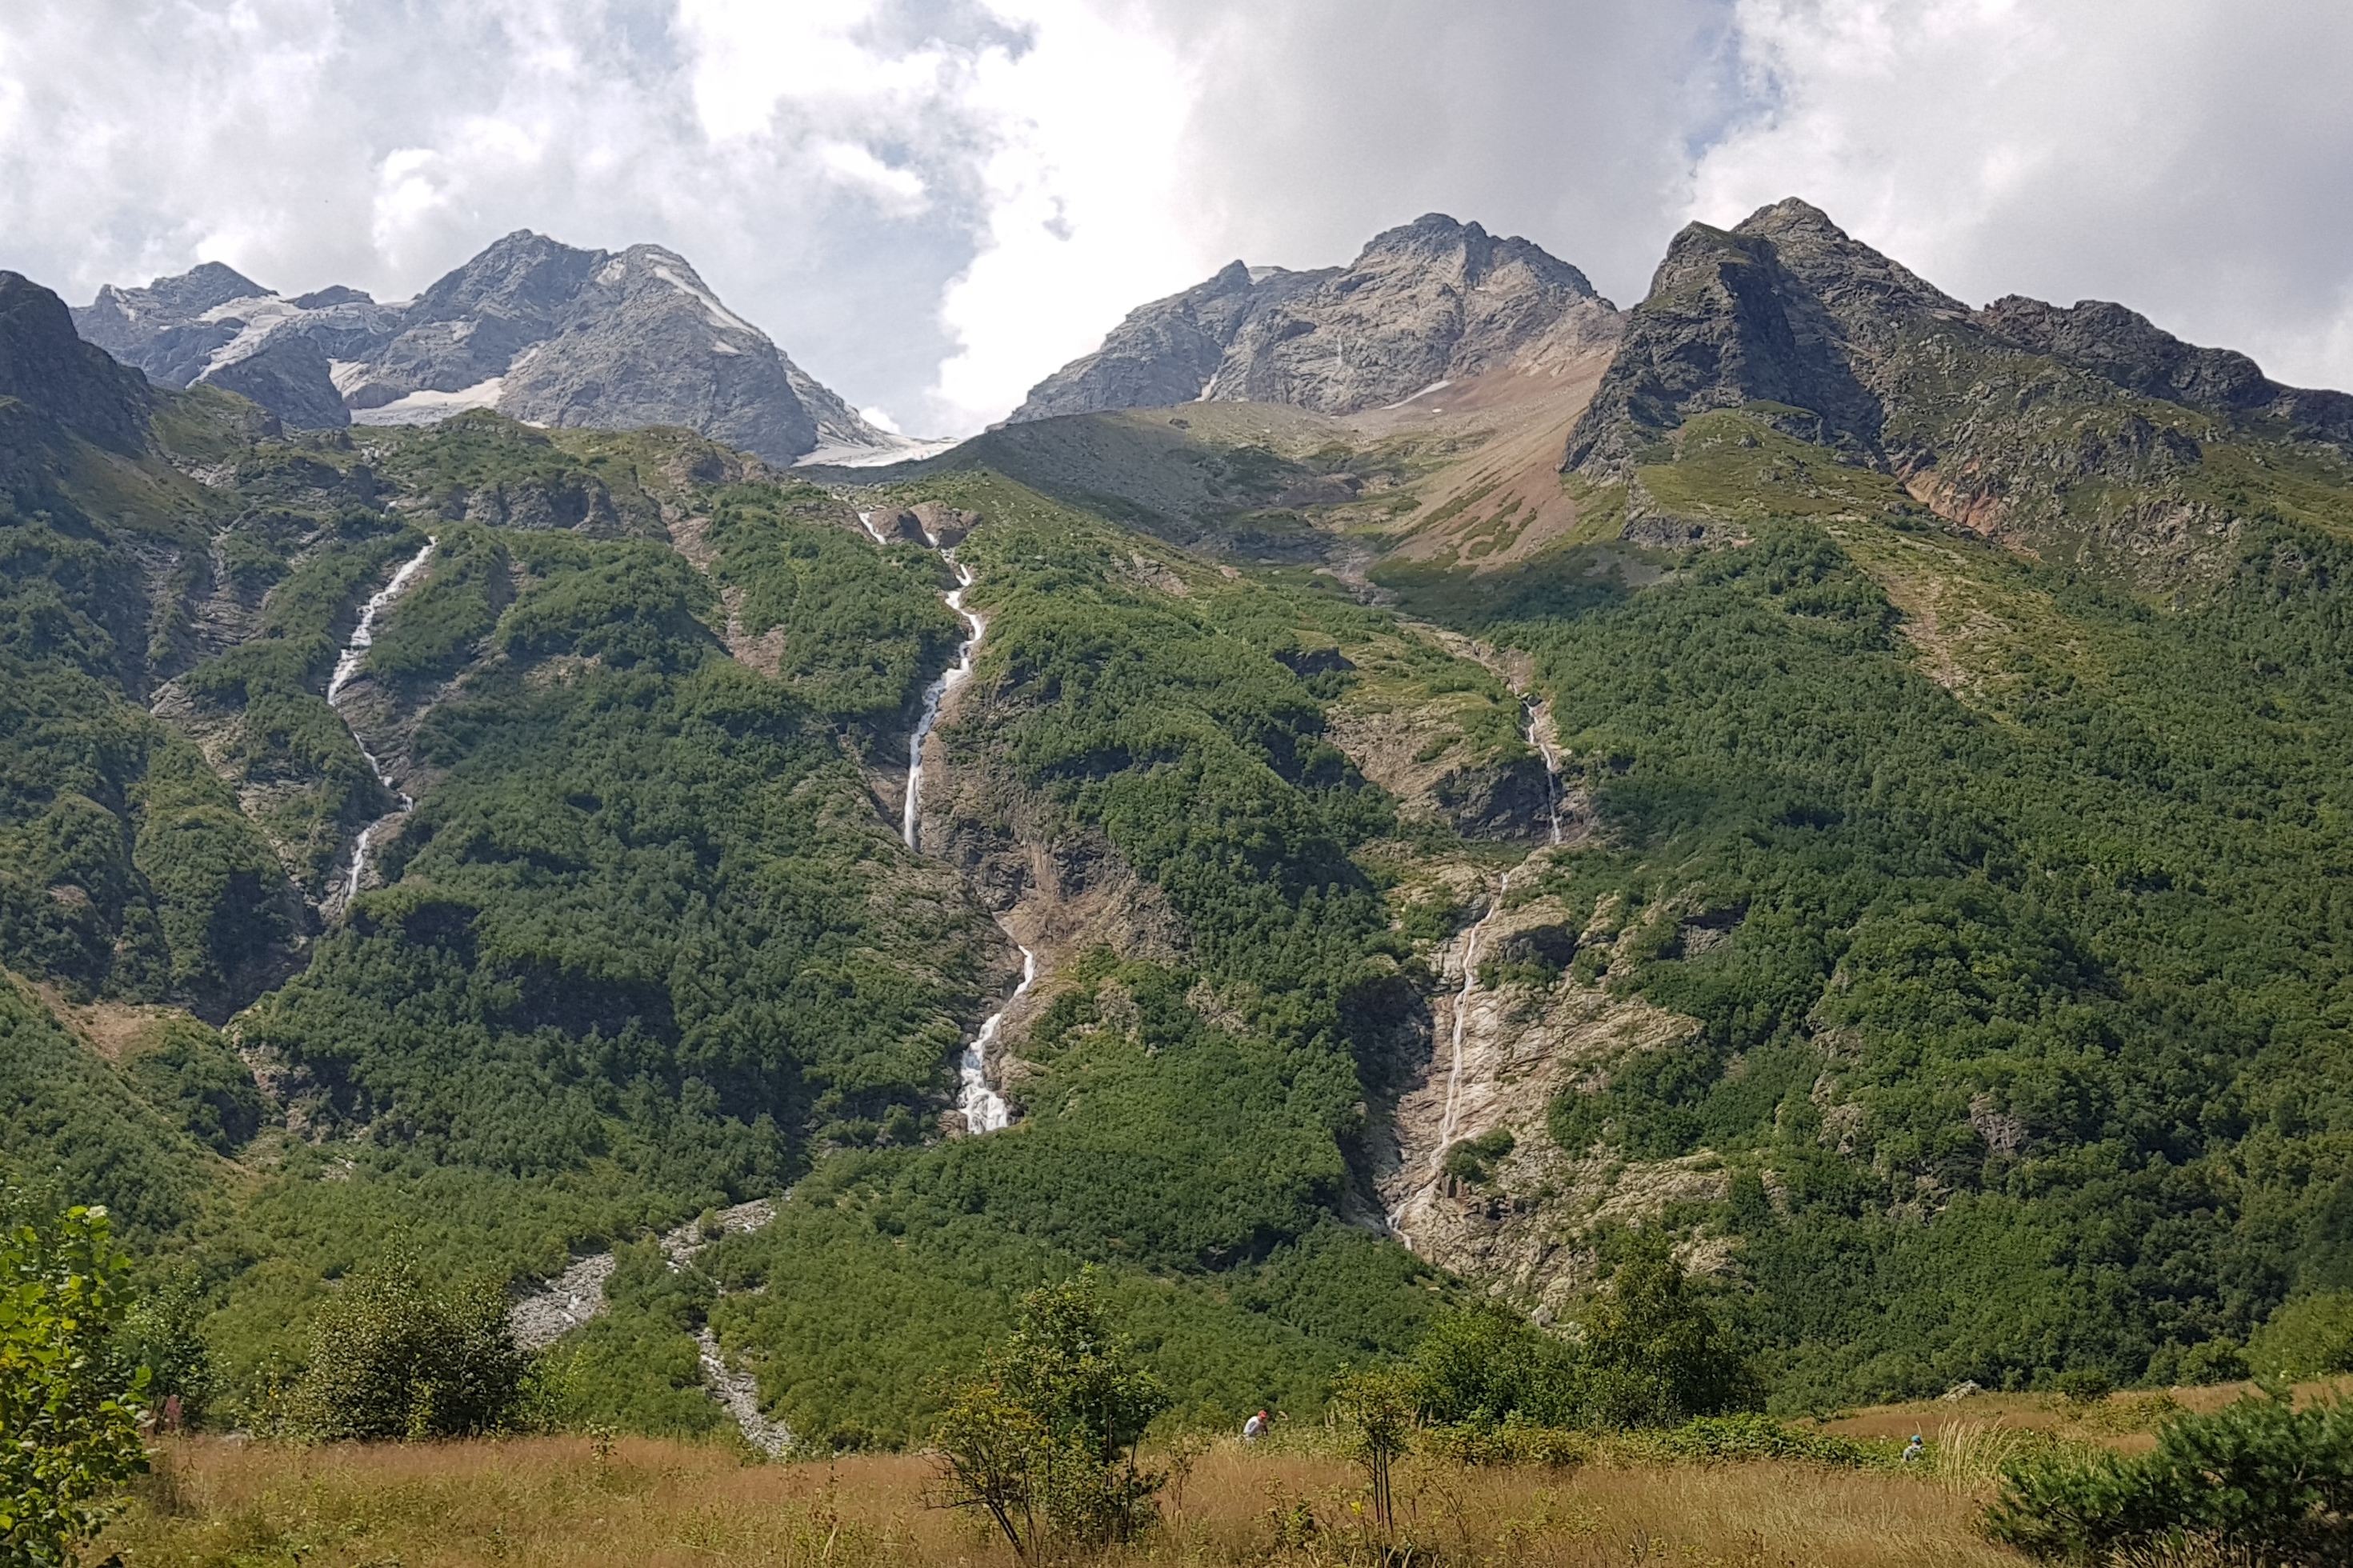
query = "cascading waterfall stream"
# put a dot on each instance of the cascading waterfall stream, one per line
(1536, 713)
(1462, 1012)
(347, 668)
(984, 1109)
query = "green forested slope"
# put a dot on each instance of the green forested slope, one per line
(2027, 1048)
(2001, 890)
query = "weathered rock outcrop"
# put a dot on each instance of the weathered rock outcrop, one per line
(1785, 311)
(2125, 347)
(1434, 301)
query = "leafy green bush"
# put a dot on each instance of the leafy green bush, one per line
(1652, 1356)
(1044, 1440)
(1657, 1355)
(2308, 1337)
(1472, 1159)
(394, 1356)
(1378, 1407)
(2083, 1387)
(2259, 1474)
(1484, 1365)
(68, 1394)
(1751, 1435)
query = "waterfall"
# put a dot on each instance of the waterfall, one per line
(984, 1109)
(1536, 712)
(347, 668)
(1462, 1012)
(936, 693)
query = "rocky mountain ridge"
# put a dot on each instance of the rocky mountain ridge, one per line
(542, 332)
(1431, 302)
(2070, 430)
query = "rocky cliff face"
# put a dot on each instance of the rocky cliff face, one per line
(2126, 348)
(541, 330)
(2076, 430)
(1785, 311)
(1435, 300)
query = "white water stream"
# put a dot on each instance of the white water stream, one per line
(984, 1109)
(1462, 1012)
(347, 668)
(1535, 712)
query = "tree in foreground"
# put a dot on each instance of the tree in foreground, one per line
(395, 1356)
(1656, 1355)
(69, 1394)
(1382, 1407)
(1044, 1440)
(2258, 1476)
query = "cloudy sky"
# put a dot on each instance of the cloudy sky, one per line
(932, 203)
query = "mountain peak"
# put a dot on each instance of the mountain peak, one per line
(1430, 300)
(544, 331)
(1790, 215)
(1770, 312)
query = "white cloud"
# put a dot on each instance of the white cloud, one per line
(1079, 192)
(2186, 158)
(933, 203)
(894, 189)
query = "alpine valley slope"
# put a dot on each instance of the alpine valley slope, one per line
(1952, 713)
(1942, 939)
(648, 941)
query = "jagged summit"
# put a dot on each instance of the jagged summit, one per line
(2125, 347)
(544, 331)
(2080, 430)
(1775, 311)
(1429, 302)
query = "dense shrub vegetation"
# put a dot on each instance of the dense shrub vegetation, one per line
(2259, 1475)
(2023, 1013)
(2017, 989)
(396, 1355)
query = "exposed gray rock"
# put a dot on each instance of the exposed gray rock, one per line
(215, 326)
(1822, 336)
(288, 374)
(1167, 352)
(1434, 301)
(1776, 312)
(540, 330)
(2126, 348)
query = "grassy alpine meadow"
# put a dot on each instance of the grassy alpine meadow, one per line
(561, 1502)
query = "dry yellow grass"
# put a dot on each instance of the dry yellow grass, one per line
(561, 1503)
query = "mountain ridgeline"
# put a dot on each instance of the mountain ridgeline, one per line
(1472, 778)
(544, 332)
(1433, 301)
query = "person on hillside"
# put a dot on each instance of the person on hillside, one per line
(1915, 1450)
(1255, 1427)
